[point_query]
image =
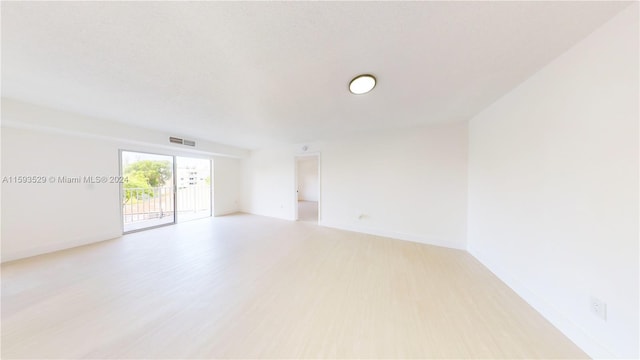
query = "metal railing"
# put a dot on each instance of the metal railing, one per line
(141, 204)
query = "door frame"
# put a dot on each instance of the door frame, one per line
(174, 186)
(317, 155)
(121, 187)
(211, 164)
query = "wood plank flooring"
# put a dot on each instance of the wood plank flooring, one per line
(245, 286)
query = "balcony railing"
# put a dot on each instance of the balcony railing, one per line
(142, 204)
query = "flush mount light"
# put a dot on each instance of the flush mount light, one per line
(362, 84)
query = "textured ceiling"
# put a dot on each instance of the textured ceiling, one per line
(253, 73)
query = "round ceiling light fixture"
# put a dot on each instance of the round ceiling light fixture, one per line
(362, 84)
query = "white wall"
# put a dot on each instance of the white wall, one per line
(268, 183)
(308, 178)
(407, 184)
(226, 185)
(39, 218)
(18, 114)
(553, 188)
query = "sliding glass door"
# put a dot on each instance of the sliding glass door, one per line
(163, 189)
(147, 193)
(193, 184)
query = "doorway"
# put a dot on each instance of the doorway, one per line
(163, 189)
(307, 188)
(147, 193)
(193, 188)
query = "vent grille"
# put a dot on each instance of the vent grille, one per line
(177, 140)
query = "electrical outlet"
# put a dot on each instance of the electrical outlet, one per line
(599, 308)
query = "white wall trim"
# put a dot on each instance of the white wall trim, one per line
(41, 250)
(392, 235)
(265, 215)
(228, 212)
(568, 328)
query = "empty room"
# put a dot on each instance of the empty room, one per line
(295, 180)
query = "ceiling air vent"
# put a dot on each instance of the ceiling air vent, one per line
(177, 140)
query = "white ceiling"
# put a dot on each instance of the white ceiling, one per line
(252, 73)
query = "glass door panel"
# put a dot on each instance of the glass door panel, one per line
(193, 188)
(147, 194)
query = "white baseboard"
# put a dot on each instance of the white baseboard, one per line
(393, 235)
(63, 245)
(267, 215)
(568, 328)
(227, 212)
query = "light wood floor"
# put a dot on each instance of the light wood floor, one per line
(245, 286)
